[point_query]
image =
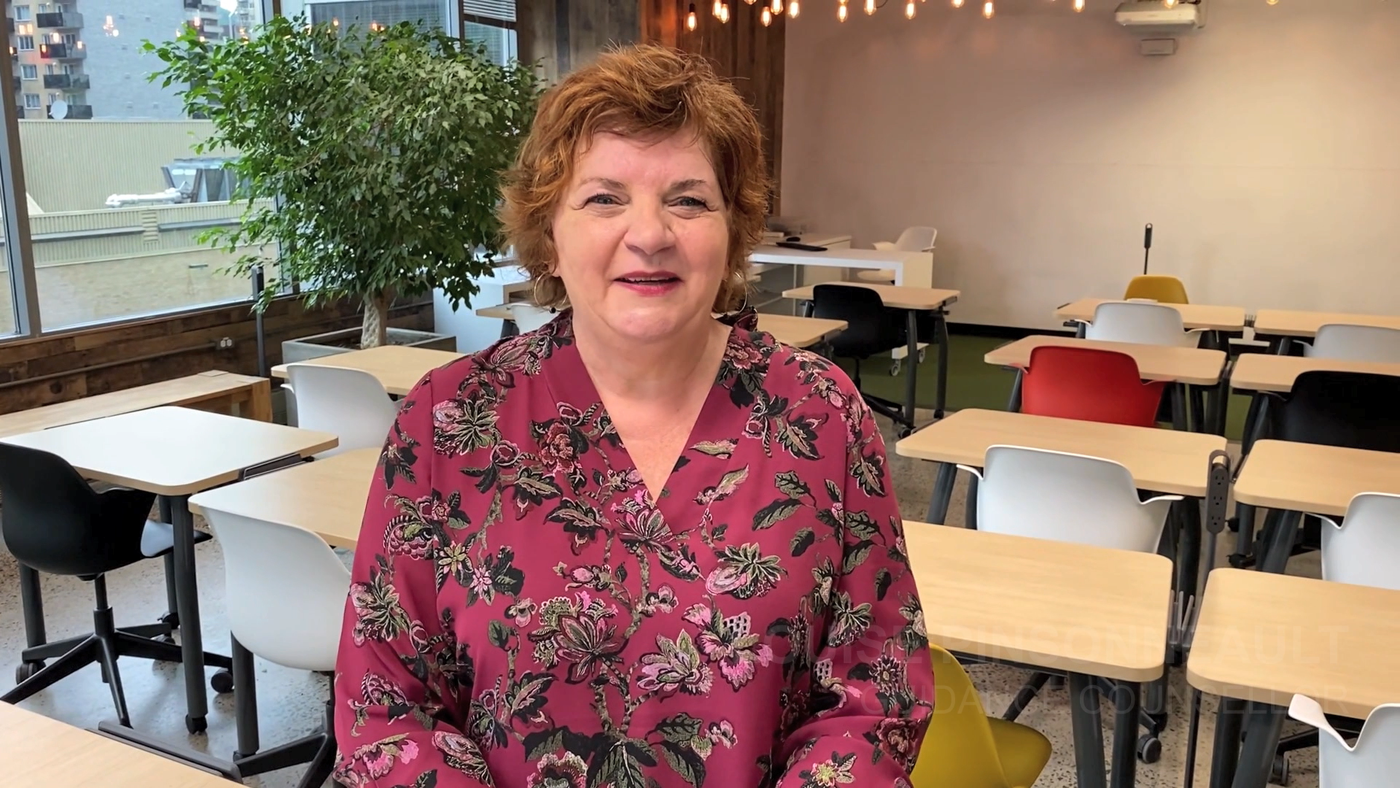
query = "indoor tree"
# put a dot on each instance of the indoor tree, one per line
(370, 158)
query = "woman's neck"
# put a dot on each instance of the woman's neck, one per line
(657, 372)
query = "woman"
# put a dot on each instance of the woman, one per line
(639, 546)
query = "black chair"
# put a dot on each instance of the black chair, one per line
(54, 522)
(871, 328)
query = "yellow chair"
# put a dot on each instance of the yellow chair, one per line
(964, 748)
(1163, 289)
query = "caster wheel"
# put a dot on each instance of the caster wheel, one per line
(173, 619)
(894, 369)
(1149, 749)
(222, 682)
(904, 432)
(1233, 524)
(166, 639)
(196, 724)
(1278, 775)
(26, 671)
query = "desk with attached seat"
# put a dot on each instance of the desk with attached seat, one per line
(398, 368)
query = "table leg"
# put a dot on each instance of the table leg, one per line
(259, 402)
(1260, 744)
(1279, 534)
(1188, 554)
(911, 363)
(942, 493)
(31, 601)
(1088, 732)
(1179, 407)
(245, 697)
(191, 638)
(1220, 408)
(1244, 539)
(1225, 752)
(1127, 703)
(1198, 409)
(1256, 422)
(940, 327)
(970, 513)
(1013, 404)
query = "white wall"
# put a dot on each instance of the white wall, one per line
(1266, 151)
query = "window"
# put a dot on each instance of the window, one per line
(70, 40)
(26, 43)
(29, 72)
(424, 13)
(109, 241)
(22, 13)
(491, 22)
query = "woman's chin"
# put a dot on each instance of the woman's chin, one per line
(645, 324)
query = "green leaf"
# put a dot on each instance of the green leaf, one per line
(618, 766)
(861, 526)
(833, 491)
(499, 634)
(685, 761)
(680, 729)
(790, 485)
(716, 448)
(856, 556)
(774, 513)
(883, 578)
(801, 541)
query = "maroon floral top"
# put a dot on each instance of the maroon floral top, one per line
(523, 615)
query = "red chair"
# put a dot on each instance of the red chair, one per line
(1089, 385)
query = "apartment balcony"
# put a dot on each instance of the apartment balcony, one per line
(196, 5)
(59, 20)
(18, 84)
(62, 52)
(75, 112)
(67, 82)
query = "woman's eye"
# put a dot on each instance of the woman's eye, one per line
(601, 199)
(692, 202)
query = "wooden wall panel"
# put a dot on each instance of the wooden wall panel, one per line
(562, 35)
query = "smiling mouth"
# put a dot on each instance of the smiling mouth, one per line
(648, 280)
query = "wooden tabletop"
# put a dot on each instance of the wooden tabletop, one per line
(1292, 323)
(1155, 362)
(1306, 477)
(200, 387)
(1166, 461)
(326, 497)
(795, 331)
(1265, 637)
(499, 311)
(897, 296)
(1050, 604)
(1213, 318)
(1266, 372)
(172, 451)
(397, 367)
(44, 752)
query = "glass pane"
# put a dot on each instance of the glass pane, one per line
(426, 13)
(117, 195)
(7, 297)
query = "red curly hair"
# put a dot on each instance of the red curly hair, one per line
(636, 91)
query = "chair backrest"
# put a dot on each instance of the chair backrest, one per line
(916, 239)
(1355, 410)
(1067, 498)
(53, 521)
(958, 749)
(1164, 289)
(529, 317)
(1089, 384)
(1365, 549)
(1373, 761)
(348, 403)
(1145, 324)
(1356, 343)
(285, 589)
(870, 329)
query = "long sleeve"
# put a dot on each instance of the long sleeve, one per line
(872, 681)
(401, 677)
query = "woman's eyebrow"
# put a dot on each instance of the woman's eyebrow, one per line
(606, 182)
(689, 183)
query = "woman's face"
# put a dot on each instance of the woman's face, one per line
(642, 235)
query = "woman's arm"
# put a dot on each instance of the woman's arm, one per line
(399, 679)
(872, 683)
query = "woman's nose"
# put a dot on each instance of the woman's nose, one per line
(650, 229)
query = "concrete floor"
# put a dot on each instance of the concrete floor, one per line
(291, 701)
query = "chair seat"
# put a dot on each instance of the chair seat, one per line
(1023, 751)
(159, 538)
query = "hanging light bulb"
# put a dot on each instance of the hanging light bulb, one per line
(841, 12)
(1078, 6)
(909, 10)
(766, 17)
(715, 9)
(723, 13)
(776, 7)
(793, 9)
(750, 2)
(989, 10)
(1168, 3)
(690, 20)
(957, 3)
(869, 7)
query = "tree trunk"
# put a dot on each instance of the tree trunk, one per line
(375, 331)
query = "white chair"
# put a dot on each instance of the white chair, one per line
(1141, 322)
(1066, 498)
(1355, 343)
(348, 403)
(285, 591)
(913, 239)
(529, 317)
(1373, 761)
(1364, 549)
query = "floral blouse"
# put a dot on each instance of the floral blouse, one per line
(522, 613)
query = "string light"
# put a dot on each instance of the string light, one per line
(989, 10)
(690, 20)
(869, 7)
(841, 11)
(750, 2)
(776, 7)
(723, 13)
(766, 17)
(909, 10)
(793, 9)
(1169, 3)
(957, 3)
(715, 9)
(1078, 6)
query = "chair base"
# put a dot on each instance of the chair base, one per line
(317, 750)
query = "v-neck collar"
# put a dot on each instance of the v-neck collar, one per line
(721, 417)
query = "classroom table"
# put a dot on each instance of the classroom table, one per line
(45, 752)
(1266, 372)
(397, 367)
(913, 300)
(174, 453)
(1263, 637)
(1292, 479)
(326, 497)
(1230, 319)
(1010, 598)
(1294, 323)
(799, 332)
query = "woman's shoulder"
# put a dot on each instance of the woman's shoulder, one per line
(799, 374)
